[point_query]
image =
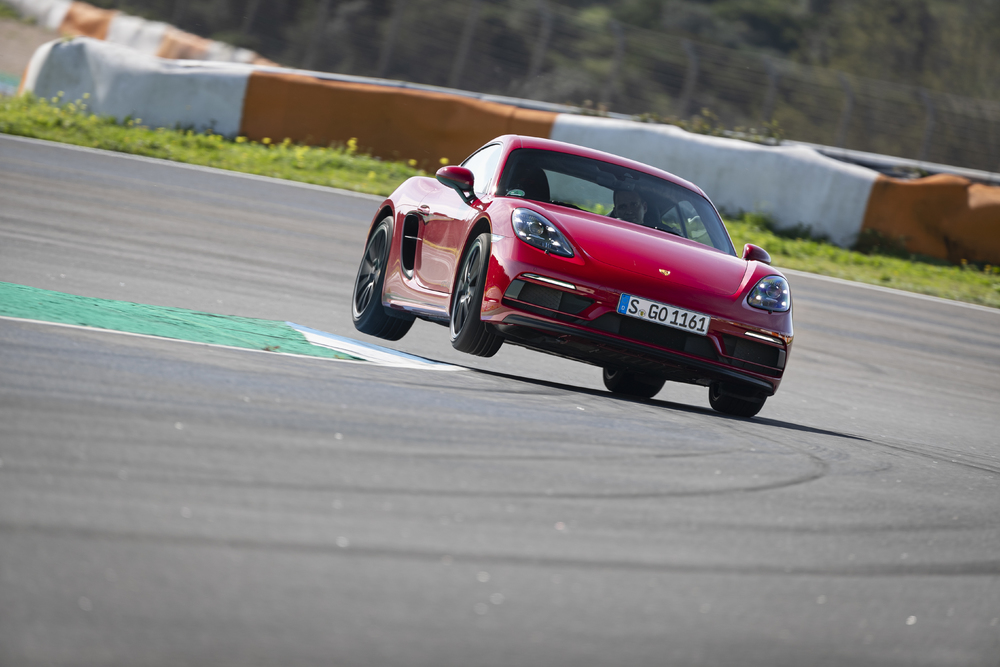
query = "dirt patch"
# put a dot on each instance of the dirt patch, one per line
(17, 42)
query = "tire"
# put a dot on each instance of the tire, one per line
(627, 383)
(729, 404)
(369, 315)
(468, 332)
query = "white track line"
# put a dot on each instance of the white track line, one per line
(374, 353)
(370, 356)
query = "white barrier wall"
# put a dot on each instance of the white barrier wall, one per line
(48, 13)
(153, 38)
(149, 37)
(792, 184)
(940, 216)
(137, 33)
(123, 83)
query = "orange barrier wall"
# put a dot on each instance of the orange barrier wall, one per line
(180, 45)
(391, 123)
(87, 21)
(943, 216)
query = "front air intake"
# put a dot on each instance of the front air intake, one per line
(546, 297)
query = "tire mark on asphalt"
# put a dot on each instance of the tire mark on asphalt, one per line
(272, 485)
(983, 568)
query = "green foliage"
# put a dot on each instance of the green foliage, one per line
(824, 68)
(8, 12)
(337, 166)
(708, 123)
(874, 242)
(966, 282)
(951, 45)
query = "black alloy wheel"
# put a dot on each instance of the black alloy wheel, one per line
(727, 403)
(468, 332)
(369, 315)
(627, 383)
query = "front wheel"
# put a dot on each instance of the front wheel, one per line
(727, 403)
(468, 332)
(369, 314)
(624, 382)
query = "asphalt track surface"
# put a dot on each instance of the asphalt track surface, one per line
(166, 503)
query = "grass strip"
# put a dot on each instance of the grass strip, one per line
(344, 167)
(33, 303)
(69, 122)
(965, 282)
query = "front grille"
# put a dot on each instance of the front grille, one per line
(656, 334)
(599, 348)
(557, 304)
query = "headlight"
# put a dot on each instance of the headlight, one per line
(771, 294)
(535, 230)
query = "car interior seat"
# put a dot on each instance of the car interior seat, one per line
(534, 183)
(652, 217)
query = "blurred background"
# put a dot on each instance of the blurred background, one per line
(917, 79)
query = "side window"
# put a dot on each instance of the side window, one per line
(483, 164)
(671, 220)
(694, 227)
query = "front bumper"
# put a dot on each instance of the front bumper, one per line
(546, 304)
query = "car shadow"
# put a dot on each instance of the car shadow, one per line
(677, 407)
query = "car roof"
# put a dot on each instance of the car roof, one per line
(521, 141)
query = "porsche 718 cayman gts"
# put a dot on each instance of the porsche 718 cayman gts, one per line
(585, 255)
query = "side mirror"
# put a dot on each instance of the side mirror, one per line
(459, 178)
(753, 253)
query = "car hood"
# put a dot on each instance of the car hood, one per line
(656, 254)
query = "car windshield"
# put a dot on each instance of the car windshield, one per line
(615, 191)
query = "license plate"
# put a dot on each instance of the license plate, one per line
(661, 313)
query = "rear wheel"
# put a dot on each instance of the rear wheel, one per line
(370, 316)
(628, 383)
(468, 332)
(727, 403)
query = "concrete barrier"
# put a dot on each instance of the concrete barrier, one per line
(388, 121)
(49, 14)
(794, 185)
(941, 216)
(144, 36)
(86, 20)
(80, 19)
(122, 83)
(181, 45)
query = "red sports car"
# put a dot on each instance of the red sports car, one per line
(585, 255)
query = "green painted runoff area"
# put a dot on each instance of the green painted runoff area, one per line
(32, 303)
